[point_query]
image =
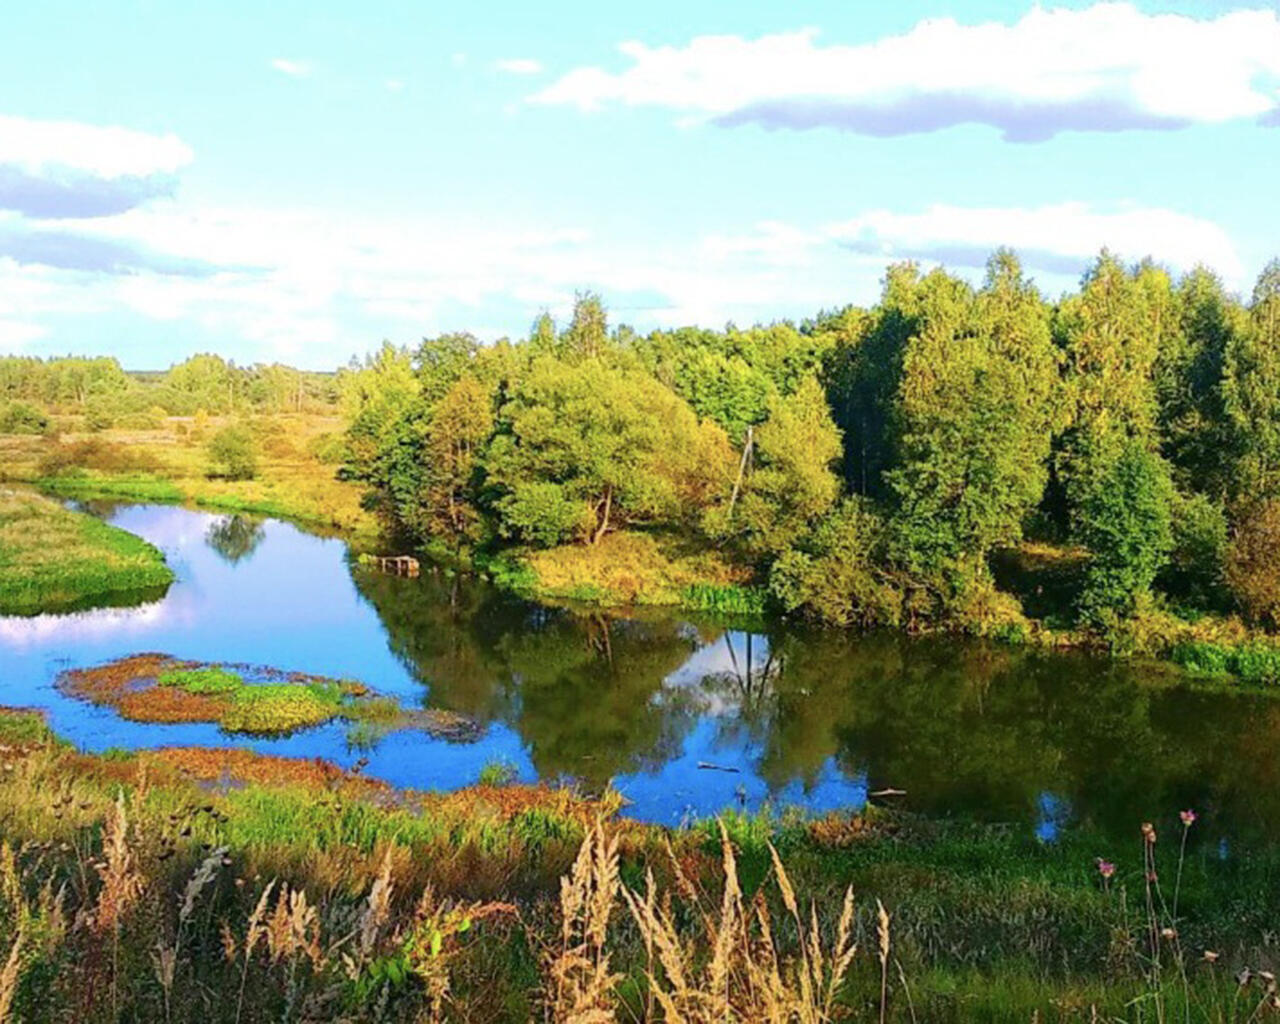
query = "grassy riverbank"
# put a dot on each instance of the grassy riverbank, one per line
(53, 559)
(135, 886)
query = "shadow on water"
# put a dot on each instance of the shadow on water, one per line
(682, 716)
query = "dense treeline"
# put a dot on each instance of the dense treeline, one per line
(106, 395)
(869, 462)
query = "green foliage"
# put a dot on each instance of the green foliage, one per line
(500, 772)
(789, 484)
(835, 576)
(599, 448)
(1125, 521)
(1253, 562)
(972, 417)
(1251, 392)
(1252, 663)
(543, 514)
(1196, 571)
(724, 599)
(233, 453)
(22, 418)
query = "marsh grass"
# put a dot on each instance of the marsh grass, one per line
(54, 559)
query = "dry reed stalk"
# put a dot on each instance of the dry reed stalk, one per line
(10, 975)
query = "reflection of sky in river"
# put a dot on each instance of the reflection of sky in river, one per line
(1040, 741)
(291, 603)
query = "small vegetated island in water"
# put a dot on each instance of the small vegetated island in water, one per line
(248, 699)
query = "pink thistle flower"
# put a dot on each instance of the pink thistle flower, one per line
(1188, 818)
(1105, 868)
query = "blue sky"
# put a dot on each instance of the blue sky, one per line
(298, 181)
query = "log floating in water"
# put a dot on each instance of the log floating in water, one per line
(708, 766)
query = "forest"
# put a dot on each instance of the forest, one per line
(1099, 469)
(886, 466)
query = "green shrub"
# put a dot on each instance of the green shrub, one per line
(542, 514)
(499, 772)
(1125, 521)
(233, 454)
(22, 418)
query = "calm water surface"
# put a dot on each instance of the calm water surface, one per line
(1044, 742)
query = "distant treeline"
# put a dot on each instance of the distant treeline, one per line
(867, 463)
(107, 395)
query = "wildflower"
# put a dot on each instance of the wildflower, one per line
(1148, 832)
(1210, 957)
(1188, 817)
(1152, 876)
(1168, 934)
(1244, 977)
(1105, 868)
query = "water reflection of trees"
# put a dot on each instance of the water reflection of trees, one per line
(964, 728)
(235, 537)
(583, 691)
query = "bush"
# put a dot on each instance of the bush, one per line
(1196, 564)
(23, 418)
(542, 514)
(1125, 521)
(833, 576)
(1253, 563)
(233, 454)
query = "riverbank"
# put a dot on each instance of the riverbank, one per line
(295, 476)
(297, 481)
(294, 884)
(53, 559)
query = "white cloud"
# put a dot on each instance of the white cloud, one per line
(1059, 238)
(294, 68)
(1109, 67)
(16, 335)
(305, 286)
(41, 147)
(519, 66)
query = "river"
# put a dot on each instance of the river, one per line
(685, 718)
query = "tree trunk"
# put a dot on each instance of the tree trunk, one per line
(604, 519)
(742, 468)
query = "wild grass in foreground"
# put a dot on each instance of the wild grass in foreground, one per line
(53, 559)
(225, 886)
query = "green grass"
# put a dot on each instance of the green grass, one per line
(53, 559)
(281, 707)
(210, 679)
(498, 772)
(1250, 662)
(724, 599)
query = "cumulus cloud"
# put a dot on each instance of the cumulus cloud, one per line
(519, 66)
(1109, 67)
(54, 169)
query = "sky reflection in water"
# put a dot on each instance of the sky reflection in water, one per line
(794, 718)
